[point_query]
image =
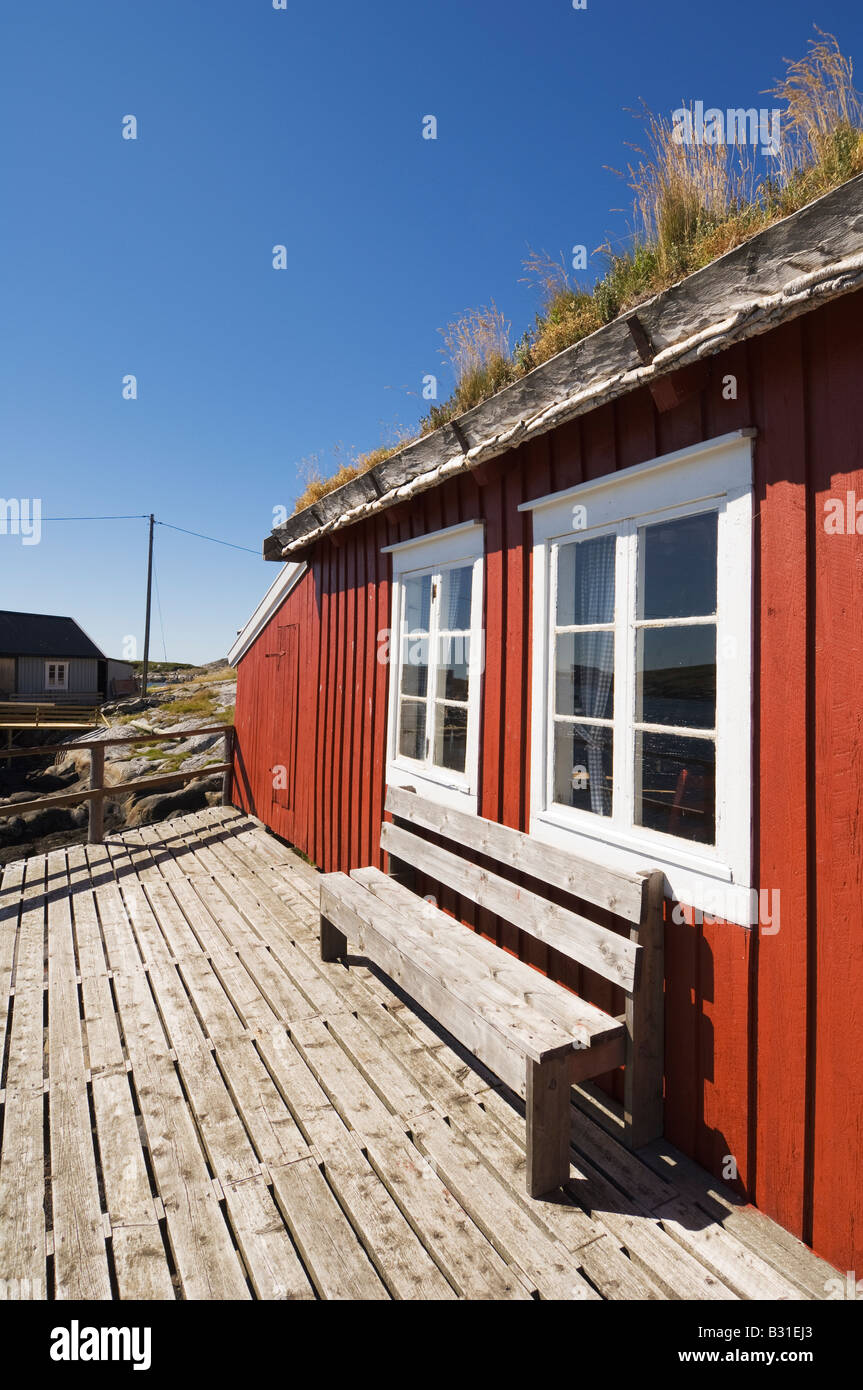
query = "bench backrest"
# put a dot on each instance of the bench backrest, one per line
(637, 898)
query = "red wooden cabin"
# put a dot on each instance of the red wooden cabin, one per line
(620, 606)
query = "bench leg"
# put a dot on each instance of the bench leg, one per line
(334, 944)
(645, 1022)
(547, 1096)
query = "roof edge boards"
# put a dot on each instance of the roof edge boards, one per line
(748, 321)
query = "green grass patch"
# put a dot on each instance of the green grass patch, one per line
(200, 704)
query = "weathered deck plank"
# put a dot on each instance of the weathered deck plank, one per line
(22, 1216)
(80, 1258)
(10, 913)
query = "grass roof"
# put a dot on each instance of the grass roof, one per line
(693, 202)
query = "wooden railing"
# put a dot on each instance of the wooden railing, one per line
(97, 791)
(49, 714)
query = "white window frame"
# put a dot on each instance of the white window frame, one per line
(431, 554)
(715, 476)
(55, 684)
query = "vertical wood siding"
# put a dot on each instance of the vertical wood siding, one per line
(764, 1031)
(83, 675)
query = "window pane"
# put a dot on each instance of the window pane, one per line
(415, 655)
(450, 743)
(677, 676)
(584, 674)
(417, 604)
(455, 599)
(452, 676)
(583, 767)
(678, 560)
(678, 786)
(585, 582)
(412, 735)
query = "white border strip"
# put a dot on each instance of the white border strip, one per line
(275, 596)
(695, 451)
(429, 536)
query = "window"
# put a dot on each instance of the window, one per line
(642, 681)
(56, 675)
(436, 658)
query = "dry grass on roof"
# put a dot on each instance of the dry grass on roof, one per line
(318, 485)
(693, 202)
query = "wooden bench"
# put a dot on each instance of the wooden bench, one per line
(537, 1036)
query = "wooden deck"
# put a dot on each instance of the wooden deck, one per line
(193, 1106)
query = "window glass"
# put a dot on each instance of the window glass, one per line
(676, 676)
(676, 785)
(415, 655)
(453, 675)
(583, 767)
(412, 731)
(417, 603)
(450, 743)
(455, 593)
(679, 567)
(584, 674)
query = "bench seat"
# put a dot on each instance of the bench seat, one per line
(537, 1036)
(533, 1016)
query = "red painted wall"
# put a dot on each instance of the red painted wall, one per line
(764, 1032)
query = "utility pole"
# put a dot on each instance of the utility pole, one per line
(145, 672)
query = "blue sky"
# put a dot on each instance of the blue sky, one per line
(299, 127)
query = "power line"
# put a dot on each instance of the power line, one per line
(152, 577)
(144, 516)
(214, 539)
(136, 516)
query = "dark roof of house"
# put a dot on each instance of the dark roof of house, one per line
(42, 634)
(790, 268)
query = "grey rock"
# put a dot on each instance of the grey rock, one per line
(162, 806)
